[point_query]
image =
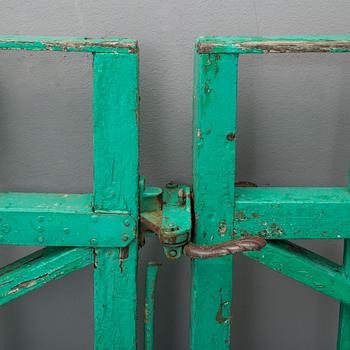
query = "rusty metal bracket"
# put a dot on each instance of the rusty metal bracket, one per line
(233, 246)
(167, 213)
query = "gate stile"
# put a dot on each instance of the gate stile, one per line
(105, 229)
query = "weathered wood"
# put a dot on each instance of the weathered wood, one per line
(213, 187)
(259, 45)
(344, 312)
(115, 133)
(42, 43)
(116, 189)
(61, 220)
(39, 268)
(305, 267)
(292, 213)
(115, 298)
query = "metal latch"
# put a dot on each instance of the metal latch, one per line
(168, 214)
(233, 246)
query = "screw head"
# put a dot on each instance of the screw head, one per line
(126, 223)
(172, 253)
(93, 241)
(125, 237)
(41, 239)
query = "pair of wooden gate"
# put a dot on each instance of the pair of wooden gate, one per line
(209, 223)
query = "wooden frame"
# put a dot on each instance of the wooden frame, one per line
(223, 212)
(106, 222)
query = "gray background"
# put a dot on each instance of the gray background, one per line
(292, 130)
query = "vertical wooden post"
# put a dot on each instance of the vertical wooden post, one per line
(344, 312)
(214, 142)
(116, 189)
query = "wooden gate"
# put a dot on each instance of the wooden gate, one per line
(209, 223)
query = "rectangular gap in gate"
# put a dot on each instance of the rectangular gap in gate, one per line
(293, 123)
(269, 308)
(32, 299)
(46, 122)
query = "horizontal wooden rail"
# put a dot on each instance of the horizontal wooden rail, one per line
(292, 213)
(305, 267)
(246, 45)
(41, 43)
(61, 220)
(39, 268)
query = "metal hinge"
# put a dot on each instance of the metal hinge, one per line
(168, 214)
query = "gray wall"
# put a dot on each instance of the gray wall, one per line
(293, 130)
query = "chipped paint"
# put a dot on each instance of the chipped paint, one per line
(287, 46)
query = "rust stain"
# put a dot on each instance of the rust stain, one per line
(255, 215)
(123, 254)
(152, 223)
(287, 46)
(231, 136)
(206, 88)
(26, 284)
(240, 216)
(222, 227)
(204, 48)
(220, 317)
(66, 45)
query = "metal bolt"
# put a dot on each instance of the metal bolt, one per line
(40, 218)
(125, 237)
(40, 229)
(66, 230)
(126, 223)
(94, 218)
(41, 239)
(172, 253)
(93, 241)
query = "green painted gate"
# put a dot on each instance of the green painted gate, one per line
(209, 223)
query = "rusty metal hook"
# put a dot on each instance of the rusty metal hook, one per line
(233, 246)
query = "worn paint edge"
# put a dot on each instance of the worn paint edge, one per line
(105, 45)
(246, 45)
